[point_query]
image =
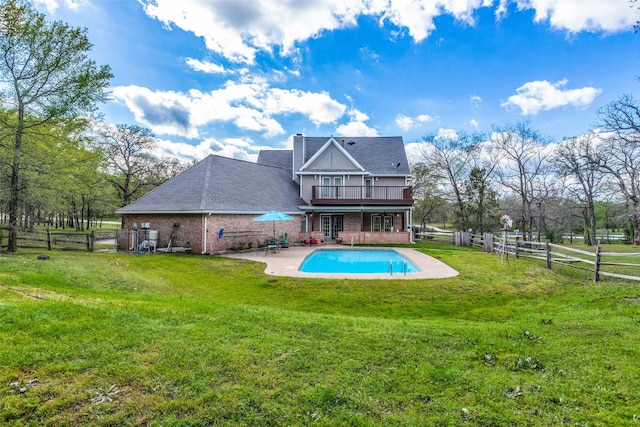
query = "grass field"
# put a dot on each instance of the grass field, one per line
(114, 339)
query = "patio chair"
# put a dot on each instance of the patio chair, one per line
(271, 245)
(284, 244)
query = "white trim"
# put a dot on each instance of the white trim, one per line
(359, 208)
(331, 141)
(203, 212)
(316, 172)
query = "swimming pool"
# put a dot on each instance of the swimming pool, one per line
(356, 261)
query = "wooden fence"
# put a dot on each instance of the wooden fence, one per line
(551, 253)
(573, 258)
(50, 240)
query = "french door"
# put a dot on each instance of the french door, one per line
(331, 225)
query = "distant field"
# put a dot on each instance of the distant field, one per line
(114, 339)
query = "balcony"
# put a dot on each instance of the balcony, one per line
(361, 195)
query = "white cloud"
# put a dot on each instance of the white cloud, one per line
(188, 153)
(53, 5)
(583, 15)
(237, 29)
(474, 123)
(249, 106)
(532, 97)
(405, 122)
(242, 28)
(205, 66)
(357, 125)
(475, 100)
(424, 118)
(450, 134)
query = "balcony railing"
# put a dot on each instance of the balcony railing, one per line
(361, 195)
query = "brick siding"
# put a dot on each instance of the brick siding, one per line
(242, 232)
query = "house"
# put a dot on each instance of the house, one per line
(355, 189)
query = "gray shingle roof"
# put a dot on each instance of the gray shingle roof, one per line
(222, 185)
(277, 158)
(377, 155)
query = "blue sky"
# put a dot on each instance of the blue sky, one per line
(234, 76)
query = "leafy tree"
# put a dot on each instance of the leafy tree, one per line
(481, 200)
(46, 78)
(448, 158)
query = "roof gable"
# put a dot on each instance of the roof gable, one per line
(380, 155)
(331, 156)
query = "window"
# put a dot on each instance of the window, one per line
(337, 181)
(326, 187)
(368, 182)
(382, 223)
(332, 187)
(376, 223)
(325, 225)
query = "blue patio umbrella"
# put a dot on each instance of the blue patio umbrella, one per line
(274, 216)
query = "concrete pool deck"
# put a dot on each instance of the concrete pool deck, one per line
(286, 262)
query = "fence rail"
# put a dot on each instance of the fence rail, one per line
(571, 257)
(506, 245)
(50, 240)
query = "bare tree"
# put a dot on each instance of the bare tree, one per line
(521, 155)
(620, 125)
(131, 163)
(578, 161)
(133, 167)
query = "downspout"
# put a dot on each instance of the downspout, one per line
(206, 230)
(411, 235)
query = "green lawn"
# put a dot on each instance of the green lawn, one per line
(113, 339)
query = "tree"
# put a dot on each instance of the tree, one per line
(46, 78)
(448, 156)
(620, 125)
(481, 198)
(133, 167)
(578, 161)
(522, 167)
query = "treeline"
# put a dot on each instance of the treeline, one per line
(74, 181)
(587, 185)
(58, 165)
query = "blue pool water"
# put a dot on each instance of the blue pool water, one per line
(355, 261)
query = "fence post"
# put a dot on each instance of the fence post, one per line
(487, 240)
(93, 241)
(596, 272)
(548, 250)
(48, 238)
(517, 247)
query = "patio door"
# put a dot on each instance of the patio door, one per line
(381, 223)
(331, 225)
(368, 183)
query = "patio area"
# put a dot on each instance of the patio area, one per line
(287, 262)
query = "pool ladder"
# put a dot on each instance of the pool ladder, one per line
(404, 267)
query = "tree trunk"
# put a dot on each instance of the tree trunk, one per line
(14, 186)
